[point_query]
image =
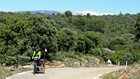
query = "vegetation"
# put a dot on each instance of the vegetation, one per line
(122, 57)
(131, 72)
(114, 37)
(112, 75)
(7, 71)
(138, 29)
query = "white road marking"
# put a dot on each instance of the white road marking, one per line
(8, 78)
(100, 75)
(94, 78)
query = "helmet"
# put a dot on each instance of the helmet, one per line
(36, 49)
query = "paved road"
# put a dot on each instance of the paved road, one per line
(67, 73)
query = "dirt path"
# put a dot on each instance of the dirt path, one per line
(67, 73)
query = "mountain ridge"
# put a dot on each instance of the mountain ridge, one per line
(42, 11)
(62, 12)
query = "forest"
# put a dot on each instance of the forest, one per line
(114, 37)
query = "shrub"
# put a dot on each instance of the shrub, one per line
(10, 60)
(136, 55)
(18, 60)
(122, 57)
(7, 60)
(60, 56)
(116, 43)
(87, 41)
(96, 52)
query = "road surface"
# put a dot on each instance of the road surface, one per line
(67, 73)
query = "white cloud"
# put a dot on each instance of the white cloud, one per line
(91, 13)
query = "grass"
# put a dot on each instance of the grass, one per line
(111, 75)
(135, 75)
(7, 71)
(132, 72)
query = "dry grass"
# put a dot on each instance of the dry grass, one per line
(112, 75)
(7, 71)
(132, 72)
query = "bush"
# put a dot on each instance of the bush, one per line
(96, 52)
(116, 43)
(57, 56)
(87, 41)
(18, 60)
(60, 56)
(10, 60)
(7, 60)
(136, 55)
(122, 57)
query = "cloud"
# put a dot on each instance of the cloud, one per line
(91, 13)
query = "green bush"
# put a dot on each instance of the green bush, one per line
(122, 57)
(60, 56)
(136, 55)
(18, 60)
(87, 41)
(10, 60)
(7, 60)
(2, 60)
(96, 52)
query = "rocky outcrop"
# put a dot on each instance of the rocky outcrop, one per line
(83, 62)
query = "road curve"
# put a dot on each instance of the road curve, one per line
(67, 73)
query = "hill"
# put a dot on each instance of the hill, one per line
(113, 37)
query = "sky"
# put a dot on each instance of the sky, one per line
(95, 6)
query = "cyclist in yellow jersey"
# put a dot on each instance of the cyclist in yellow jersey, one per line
(37, 54)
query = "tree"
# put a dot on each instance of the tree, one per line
(99, 25)
(87, 41)
(66, 40)
(88, 15)
(116, 43)
(137, 26)
(43, 33)
(68, 13)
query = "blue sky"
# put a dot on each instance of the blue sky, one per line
(100, 6)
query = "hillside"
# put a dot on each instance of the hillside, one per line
(113, 37)
(131, 72)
